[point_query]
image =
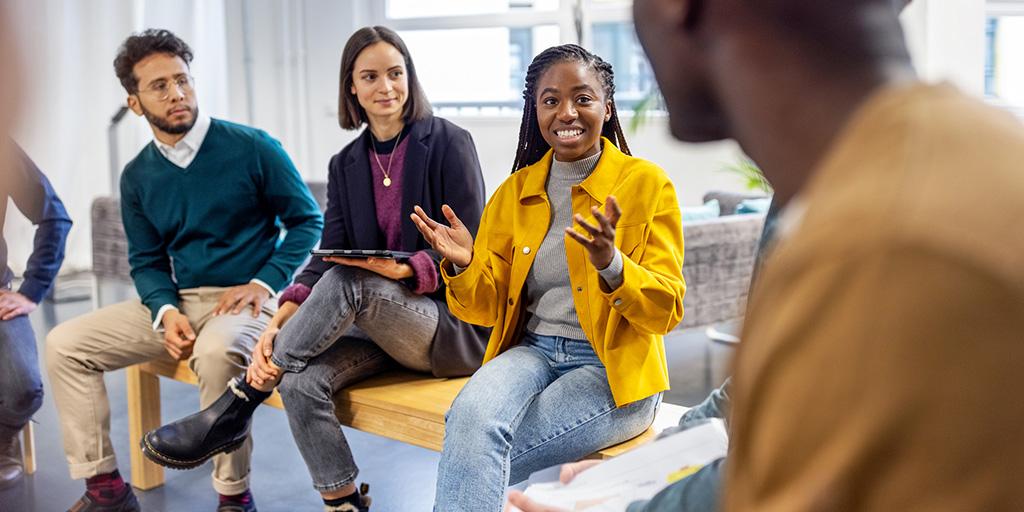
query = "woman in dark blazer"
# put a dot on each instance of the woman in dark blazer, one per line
(358, 317)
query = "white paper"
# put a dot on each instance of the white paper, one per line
(638, 474)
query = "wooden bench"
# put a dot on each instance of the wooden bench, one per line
(28, 449)
(404, 406)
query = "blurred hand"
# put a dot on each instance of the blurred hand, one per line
(386, 267)
(179, 338)
(601, 247)
(14, 304)
(454, 243)
(519, 501)
(237, 298)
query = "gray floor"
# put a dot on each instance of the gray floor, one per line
(401, 476)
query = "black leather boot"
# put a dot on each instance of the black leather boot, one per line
(220, 428)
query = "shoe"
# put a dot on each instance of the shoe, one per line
(11, 469)
(364, 502)
(220, 428)
(127, 503)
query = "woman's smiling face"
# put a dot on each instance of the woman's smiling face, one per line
(572, 110)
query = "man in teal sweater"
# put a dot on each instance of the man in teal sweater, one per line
(203, 206)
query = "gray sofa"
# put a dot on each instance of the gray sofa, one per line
(718, 261)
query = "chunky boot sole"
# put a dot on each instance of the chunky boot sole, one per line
(169, 462)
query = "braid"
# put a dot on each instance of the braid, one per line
(532, 146)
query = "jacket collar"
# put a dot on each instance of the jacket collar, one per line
(599, 184)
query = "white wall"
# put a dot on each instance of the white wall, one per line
(291, 51)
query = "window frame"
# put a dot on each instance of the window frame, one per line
(998, 8)
(574, 18)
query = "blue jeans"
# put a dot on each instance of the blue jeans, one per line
(355, 324)
(21, 388)
(541, 403)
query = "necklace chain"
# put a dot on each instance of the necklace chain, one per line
(387, 172)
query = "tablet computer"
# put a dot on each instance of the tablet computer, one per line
(362, 253)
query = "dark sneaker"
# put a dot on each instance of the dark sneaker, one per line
(364, 502)
(127, 503)
(220, 428)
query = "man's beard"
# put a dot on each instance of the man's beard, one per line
(163, 125)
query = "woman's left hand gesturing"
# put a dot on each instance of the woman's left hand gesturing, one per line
(388, 268)
(601, 246)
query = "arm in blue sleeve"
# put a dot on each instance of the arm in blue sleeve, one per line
(147, 255)
(699, 492)
(294, 205)
(36, 199)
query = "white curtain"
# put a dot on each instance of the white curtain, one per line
(68, 48)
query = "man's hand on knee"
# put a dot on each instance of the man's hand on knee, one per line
(179, 337)
(237, 298)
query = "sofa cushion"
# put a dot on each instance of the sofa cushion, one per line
(708, 210)
(759, 205)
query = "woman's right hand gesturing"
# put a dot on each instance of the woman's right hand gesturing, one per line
(454, 243)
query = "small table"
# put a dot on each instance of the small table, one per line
(724, 333)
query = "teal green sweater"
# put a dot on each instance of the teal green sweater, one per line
(218, 221)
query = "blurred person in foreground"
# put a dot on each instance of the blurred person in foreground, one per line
(881, 351)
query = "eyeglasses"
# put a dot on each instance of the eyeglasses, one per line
(161, 89)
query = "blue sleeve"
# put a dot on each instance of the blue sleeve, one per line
(147, 254)
(699, 492)
(36, 199)
(289, 198)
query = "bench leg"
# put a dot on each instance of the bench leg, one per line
(28, 449)
(143, 415)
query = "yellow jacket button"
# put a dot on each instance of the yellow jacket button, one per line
(526, 250)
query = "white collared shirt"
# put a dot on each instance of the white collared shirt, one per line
(184, 151)
(181, 155)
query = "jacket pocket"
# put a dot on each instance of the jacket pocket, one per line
(500, 247)
(631, 240)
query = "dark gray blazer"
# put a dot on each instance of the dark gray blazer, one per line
(441, 167)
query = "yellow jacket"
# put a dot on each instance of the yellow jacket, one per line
(625, 326)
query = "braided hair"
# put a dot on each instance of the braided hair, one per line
(532, 146)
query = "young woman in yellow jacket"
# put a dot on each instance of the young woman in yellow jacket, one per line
(578, 290)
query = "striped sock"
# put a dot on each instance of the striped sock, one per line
(106, 489)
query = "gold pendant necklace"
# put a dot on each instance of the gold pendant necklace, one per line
(387, 173)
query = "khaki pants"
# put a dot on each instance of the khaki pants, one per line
(80, 350)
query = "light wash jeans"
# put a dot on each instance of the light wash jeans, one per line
(541, 403)
(21, 387)
(355, 324)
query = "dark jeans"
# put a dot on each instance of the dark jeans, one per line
(21, 387)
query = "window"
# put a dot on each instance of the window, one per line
(497, 40)
(1004, 59)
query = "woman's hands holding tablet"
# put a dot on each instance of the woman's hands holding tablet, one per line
(386, 267)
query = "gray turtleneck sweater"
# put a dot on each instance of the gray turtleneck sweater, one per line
(548, 290)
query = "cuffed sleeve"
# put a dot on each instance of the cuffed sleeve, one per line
(297, 293)
(425, 273)
(612, 274)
